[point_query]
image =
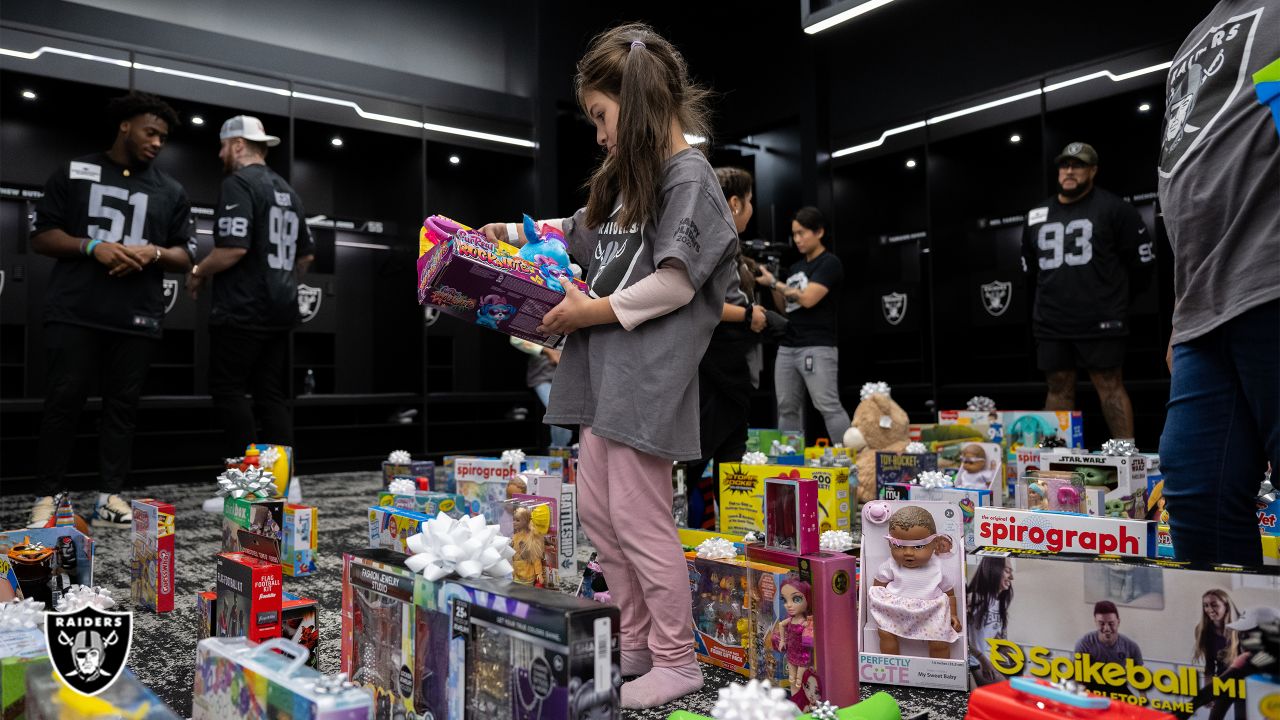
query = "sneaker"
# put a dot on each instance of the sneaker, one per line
(42, 512)
(213, 505)
(115, 513)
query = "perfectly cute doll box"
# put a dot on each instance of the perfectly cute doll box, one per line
(1158, 634)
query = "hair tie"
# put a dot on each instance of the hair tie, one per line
(637, 44)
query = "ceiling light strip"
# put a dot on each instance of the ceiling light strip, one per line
(355, 107)
(1121, 77)
(849, 14)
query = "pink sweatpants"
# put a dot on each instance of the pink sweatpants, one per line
(624, 500)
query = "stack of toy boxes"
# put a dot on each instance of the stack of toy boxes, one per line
(420, 471)
(151, 571)
(742, 496)
(299, 621)
(1017, 429)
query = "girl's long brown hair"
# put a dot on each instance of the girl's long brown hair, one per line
(651, 84)
(1205, 631)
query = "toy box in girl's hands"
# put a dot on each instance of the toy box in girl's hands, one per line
(1152, 633)
(911, 609)
(151, 570)
(478, 281)
(742, 496)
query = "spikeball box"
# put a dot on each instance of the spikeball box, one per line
(1061, 605)
(151, 570)
(249, 597)
(742, 496)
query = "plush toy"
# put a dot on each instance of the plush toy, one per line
(879, 424)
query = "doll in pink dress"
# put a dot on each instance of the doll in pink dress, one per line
(912, 597)
(793, 635)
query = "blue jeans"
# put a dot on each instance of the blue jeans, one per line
(1222, 428)
(560, 437)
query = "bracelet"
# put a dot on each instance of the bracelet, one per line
(88, 250)
(513, 233)
(82, 243)
(157, 247)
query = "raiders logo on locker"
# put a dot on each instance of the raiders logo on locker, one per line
(88, 648)
(170, 294)
(309, 301)
(430, 315)
(894, 306)
(996, 296)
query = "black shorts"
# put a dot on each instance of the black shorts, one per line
(1086, 354)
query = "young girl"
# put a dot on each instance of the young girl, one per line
(912, 596)
(987, 599)
(657, 237)
(1216, 644)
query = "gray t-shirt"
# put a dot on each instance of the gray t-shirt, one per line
(640, 387)
(1220, 169)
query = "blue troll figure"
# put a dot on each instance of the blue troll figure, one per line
(547, 251)
(493, 310)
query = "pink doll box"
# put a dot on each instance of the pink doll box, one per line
(475, 280)
(791, 515)
(912, 666)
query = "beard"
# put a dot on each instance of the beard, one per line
(1080, 189)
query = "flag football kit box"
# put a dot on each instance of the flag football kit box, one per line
(241, 680)
(301, 538)
(254, 527)
(911, 609)
(299, 621)
(742, 496)
(1134, 629)
(249, 597)
(151, 570)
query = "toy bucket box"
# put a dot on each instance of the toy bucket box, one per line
(475, 280)
(236, 678)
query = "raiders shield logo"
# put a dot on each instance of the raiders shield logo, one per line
(430, 315)
(1202, 83)
(894, 306)
(996, 296)
(170, 294)
(309, 301)
(88, 648)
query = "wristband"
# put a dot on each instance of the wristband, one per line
(88, 250)
(83, 241)
(513, 233)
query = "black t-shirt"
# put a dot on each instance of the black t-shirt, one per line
(91, 197)
(257, 210)
(1083, 254)
(815, 326)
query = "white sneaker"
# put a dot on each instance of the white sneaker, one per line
(213, 505)
(117, 512)
(41, 512)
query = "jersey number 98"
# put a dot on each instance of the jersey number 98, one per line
(283, 233)
(1071, 244)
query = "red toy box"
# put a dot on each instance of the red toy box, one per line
(249, 597)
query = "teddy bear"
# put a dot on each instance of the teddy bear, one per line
(879, 424)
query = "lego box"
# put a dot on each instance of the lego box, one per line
(249, 597)
(254, 527)
(151, 571)
(475, 280)
(1152, 633)
(301, 525)
(742, 496)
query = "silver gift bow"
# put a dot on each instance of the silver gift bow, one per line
(981, 403)
(823, 711)
(252, 483)
(1119, 448)
(931, 479)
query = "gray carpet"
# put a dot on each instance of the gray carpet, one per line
(163, 653)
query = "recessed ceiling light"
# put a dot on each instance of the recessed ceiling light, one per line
(29, 94)
(454, 159)
(336, 141)
(911, 163)
(1144, 107)
(197, 120)
(1015, 138)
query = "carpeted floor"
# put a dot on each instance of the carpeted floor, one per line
(163, 651)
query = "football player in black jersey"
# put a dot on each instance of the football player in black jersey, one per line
(1082, 247)
(114, 224)
(261, 248)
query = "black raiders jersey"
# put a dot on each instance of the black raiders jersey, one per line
(92, 197)
(257, 210)
(1081, 255)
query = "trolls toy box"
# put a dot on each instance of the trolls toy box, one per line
(539, 656)
(254, 527)
(911, 609)
(238, 680)
(473, 279)
(151, 571)
(742, 496)
(1153, 633)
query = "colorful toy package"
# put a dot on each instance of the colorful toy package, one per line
(390, 527)
(762, 439)
(301, 527)
(382, 645)
(535, 537)
(536, 655)
(478, 281)
(428, 503)
(736, 606)
(254, 527)
(249, 597)
(236, 678)
(41, 563)
(51, 699)
(554, 486)
(1125, 479)
(485, 483)
(151, 570)
(1133, 629)
(279, 460)
(413, 469)
(742, 496)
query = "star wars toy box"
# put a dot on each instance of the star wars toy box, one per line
(151, 570)
(239, 679)
(736, 603)
(480, 282)
(249, 597)
(913, 627)
(41, 563)
(384, 648)
(1124, 477)
(742, 496)
(298, 621)
(1063, 532)
(413, 470)
(254, 527)
(390, 527)
(485, 484)
(301, 538)
(1152, 633)
(428, 503)
(539, 656)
